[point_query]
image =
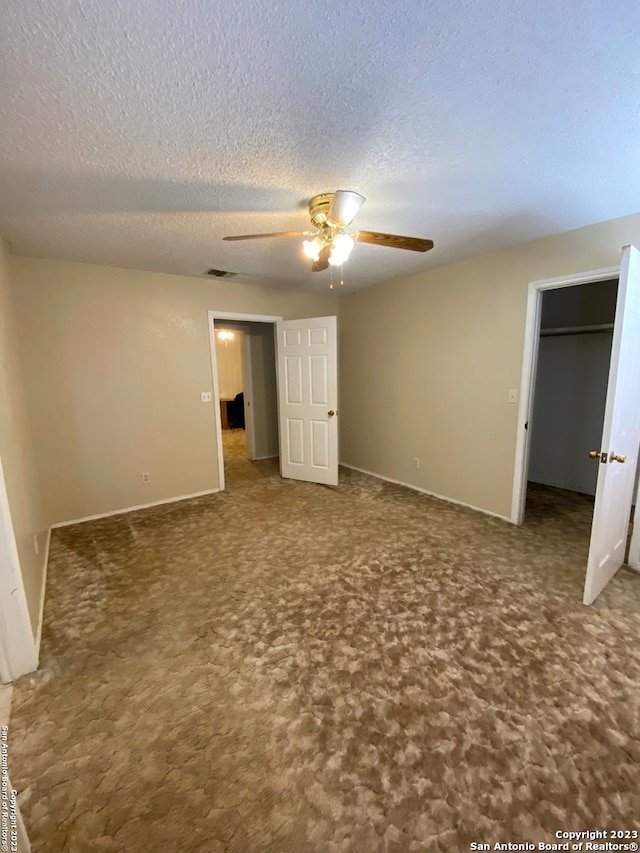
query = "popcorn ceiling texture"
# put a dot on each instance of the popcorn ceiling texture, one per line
(138, 134)
(289, 668)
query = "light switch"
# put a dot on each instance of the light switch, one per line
(206, 397)
(513, 395)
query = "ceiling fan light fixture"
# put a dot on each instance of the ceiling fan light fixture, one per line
(341, 249)
(344, 206)
(312, 248)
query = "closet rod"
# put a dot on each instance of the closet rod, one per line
(576, 330)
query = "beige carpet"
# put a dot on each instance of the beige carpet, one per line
(286, 667)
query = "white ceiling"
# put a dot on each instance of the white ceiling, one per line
(138, 134)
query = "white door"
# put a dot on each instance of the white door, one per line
(620, 436)
(308, 399)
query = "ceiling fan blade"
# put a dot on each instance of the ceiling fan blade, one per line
(275, 234)
(323, 261)
(394, 241)
(344, 207)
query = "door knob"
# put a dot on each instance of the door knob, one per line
(616, 457)
(331, 413)
(594, 454)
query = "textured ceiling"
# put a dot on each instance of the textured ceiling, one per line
(138, 134)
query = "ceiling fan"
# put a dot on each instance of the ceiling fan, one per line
(331, 214)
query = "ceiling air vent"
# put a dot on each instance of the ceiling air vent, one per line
(220, 273)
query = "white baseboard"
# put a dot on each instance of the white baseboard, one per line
(134, 508)
(43, 593)
(262, 458)
(426, 492)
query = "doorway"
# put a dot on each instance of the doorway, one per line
(232, 385)
(305, 356)
(558, 311)
(245, 395)
(579, 387)
(572, 371)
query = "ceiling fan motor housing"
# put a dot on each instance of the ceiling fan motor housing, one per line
(319, 208)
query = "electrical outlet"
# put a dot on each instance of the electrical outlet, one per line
(416, 462)
(145, 477)
(36, 544)
(206, 397)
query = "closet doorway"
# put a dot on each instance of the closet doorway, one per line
(580, 406)
(574, 353)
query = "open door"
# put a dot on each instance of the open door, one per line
(308, 399)
(618, 454)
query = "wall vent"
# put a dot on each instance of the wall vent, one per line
(220, 273)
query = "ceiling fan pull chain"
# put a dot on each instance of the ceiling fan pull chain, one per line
(331, 278)
(341, 276)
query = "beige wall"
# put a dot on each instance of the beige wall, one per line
(115, 361)
(16, 452)
(427, 362)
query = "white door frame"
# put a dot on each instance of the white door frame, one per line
(529, 369)
(18, 650)
(212, 317)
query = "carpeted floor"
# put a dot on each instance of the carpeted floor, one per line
(288, 668)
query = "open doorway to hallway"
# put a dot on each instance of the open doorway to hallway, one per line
(294, 385)
(247, 392)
